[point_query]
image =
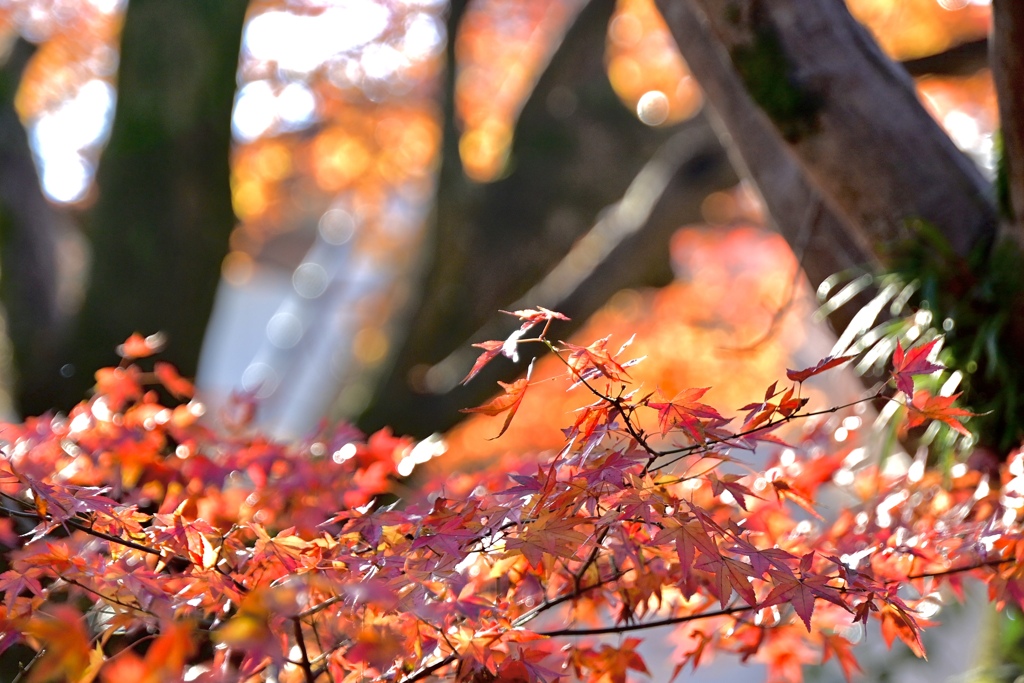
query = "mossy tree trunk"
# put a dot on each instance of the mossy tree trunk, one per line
(847, 114)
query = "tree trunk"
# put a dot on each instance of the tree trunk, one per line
(160, 227)
(32, 230)
(850, 117)
(818, 234)
(1007, 58)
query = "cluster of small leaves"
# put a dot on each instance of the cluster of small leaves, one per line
(145, 546)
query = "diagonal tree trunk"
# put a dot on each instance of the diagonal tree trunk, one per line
(847, 114)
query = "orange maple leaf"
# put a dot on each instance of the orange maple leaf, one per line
(926, 407)
(510, 401)
(584, 359)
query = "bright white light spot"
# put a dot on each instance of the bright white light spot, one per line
(787, 457)
(65, 178)
(916, 470)
(346, 452)
(82, 121)
(300, 44)
(851, 423)
(854, 457)
(1016, 465)
(843, 477)
(284, 330)
(510, 349)
(950, 385)
(108, 6)
(963, 128)
(841, 434)
(982, 490)
(337, 226)
(81, 423)
(424, 36)
(296, 105)
(60, 137)
(653, 108)
(254, 111)
(382, 62)
(310, 280)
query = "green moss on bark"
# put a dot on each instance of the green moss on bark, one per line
(768, 76)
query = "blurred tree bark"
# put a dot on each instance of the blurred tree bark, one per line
(31, 229)
(570, 166)
(160, 226)
(825, 93)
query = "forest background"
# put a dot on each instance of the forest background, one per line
(303, 171)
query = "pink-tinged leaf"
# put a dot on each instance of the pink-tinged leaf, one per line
(824, 364)
(583, 359)
(926, 407)
(913, 362)
(732, 575)
(728, 483)
(795, 593)
(491, 350)
(534, 316)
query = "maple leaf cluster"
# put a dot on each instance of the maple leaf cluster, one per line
(142, 543)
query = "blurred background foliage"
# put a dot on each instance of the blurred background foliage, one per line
(323, 203)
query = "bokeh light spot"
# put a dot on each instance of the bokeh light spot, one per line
(310, 280)
(284, 330)
(653, 108)
(336, 226)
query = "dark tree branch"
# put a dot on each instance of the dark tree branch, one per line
(965, 59)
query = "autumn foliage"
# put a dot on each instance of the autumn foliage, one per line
(145, 544)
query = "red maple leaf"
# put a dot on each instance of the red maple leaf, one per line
(913, 362)
(823, 365)
(926, 407)
(686, 411)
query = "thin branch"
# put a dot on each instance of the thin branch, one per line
(106, 598)
(300, 640)
(640, 626)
